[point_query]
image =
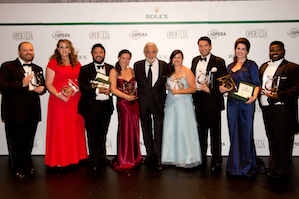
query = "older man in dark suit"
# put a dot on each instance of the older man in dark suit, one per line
(150, 75)
(20, 108)
(279, 104)
(208, 100)
(96, 106)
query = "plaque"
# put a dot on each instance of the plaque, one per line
(245, 90)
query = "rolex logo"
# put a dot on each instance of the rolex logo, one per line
(156, 8)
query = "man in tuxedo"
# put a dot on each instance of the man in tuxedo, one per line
(208, 100)
(150, 75)
(96, 106)
(20, 107)
(280, 108)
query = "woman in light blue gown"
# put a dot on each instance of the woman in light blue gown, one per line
(180, 142)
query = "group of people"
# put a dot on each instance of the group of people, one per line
(175, 107)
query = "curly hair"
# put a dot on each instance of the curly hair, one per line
(73, 56)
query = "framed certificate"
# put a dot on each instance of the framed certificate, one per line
(245, 90)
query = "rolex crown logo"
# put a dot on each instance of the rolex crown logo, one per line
(156, 8)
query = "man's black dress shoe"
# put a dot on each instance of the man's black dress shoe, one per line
(30, 172)
(105, 161)
(148, 159)
(20, 175)
(276, 175)
(268, 169)
(160, 166)
(215, 167)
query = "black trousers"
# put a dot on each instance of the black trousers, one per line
(280, 129)
(152, 141)
(209, 120)
(20, 138)
(96, 125)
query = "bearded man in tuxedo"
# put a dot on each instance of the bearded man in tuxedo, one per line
(21, 84)
(96, 106)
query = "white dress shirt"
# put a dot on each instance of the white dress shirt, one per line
(28, 71)
(201, 67)
(100, 96)
(155, 71)
(268, 74)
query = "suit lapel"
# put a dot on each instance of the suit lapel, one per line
(211, 63)
(19, 66)
(281, 68)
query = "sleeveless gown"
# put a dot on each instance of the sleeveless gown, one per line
(65, 139)
(128, 152)
(180, 143)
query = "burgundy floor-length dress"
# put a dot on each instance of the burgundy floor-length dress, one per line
(65, 140)
(128, 152)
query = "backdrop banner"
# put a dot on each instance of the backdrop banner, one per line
(171, 25)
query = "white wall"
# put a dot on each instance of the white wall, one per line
(130, 25)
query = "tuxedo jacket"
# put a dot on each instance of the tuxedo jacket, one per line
(288, 89)
(214, 99)
(88, 95)
(149, 96)
(18, 101)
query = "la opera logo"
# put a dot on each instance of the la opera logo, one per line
(214, 34)
(295, 144)
(22, 35)
(135, 34)
(294, 32)
(177, 34)
(60, 35)
(256, 33)
(260, 144)
(93, 35)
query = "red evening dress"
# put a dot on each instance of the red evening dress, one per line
(128, 152)
(65, 140)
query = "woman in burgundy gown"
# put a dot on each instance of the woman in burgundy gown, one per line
(65, 141)
(123, 86)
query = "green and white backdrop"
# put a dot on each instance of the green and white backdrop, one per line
(171, 25)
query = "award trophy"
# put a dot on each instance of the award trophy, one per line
(38, 76)
(272, 83)
(129, 88)
(176, 84)
(228, 82)
(69, 90)
(204, 78)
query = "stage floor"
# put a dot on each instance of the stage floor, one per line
(143, 182)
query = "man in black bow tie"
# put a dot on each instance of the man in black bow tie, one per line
(208, 100)
(20, 108)
(96, 106)
(280, 108)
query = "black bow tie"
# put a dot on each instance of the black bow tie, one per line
(202, 59)
(27, 65)
(100, 66)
